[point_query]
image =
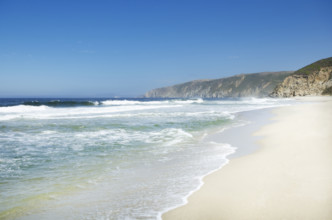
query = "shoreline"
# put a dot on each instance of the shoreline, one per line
(201, 184)
(227, 136)
(251, 123)
(203, 203)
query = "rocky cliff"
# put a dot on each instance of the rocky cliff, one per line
(314, 79)
(244, 85)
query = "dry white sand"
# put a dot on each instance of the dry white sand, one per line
(289, 177)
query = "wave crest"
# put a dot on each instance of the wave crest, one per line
(149, 102)
(59, 103)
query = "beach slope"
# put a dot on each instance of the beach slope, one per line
(289, 177)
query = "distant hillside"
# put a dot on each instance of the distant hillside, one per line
(313, 79)
(244, 85)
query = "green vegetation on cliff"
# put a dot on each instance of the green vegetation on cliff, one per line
(313, 79)
(314, 67)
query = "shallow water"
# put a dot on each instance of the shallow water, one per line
(109, 158)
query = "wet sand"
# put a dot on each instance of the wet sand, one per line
(288, 177)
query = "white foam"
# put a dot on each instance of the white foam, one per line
(23, 109)
(131, 102)
(164, 137)
(129, 142)
(48, 132)
(120, 102)
(252, 101)
(109, 108)
(228, 150)
(44, 112)
(190, 101)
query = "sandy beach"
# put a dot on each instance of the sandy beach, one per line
(288, 177)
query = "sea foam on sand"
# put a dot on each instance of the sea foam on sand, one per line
(289, 177)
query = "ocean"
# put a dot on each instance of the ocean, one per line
(111, 158)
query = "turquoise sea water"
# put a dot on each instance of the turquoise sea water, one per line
(110, 158)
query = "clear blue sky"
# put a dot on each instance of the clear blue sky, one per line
(94, 48)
